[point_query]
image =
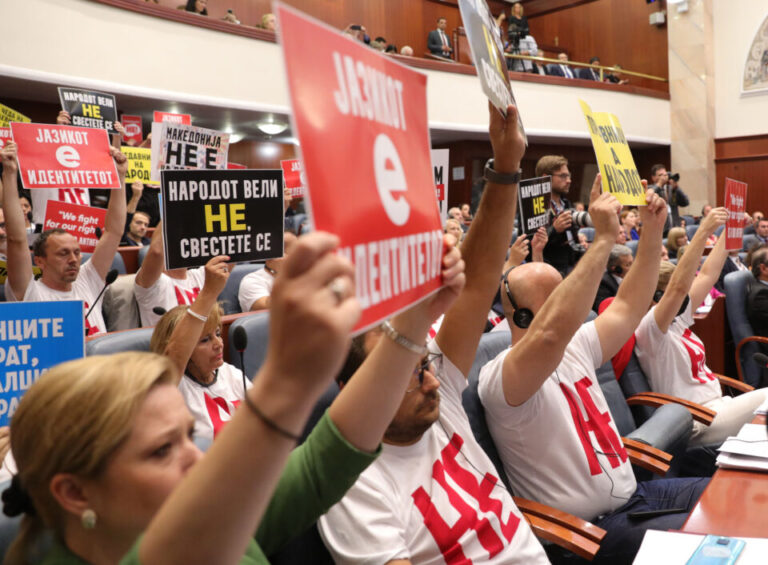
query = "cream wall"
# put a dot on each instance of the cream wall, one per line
(735, 24)
(85, 43)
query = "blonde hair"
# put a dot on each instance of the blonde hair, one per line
(72, 421)
(672, 237)
(666, 269)
(164, 328)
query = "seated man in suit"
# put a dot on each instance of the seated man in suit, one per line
(404, 508)
(561, 70)
(437, 40)
(757, 294)
(587, 73)
(544, 407)
(619, 262)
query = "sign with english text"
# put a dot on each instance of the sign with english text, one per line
(88, 108)
(440, 172)
(488, 55)
(231, 212)
(183, 147)
(736, 204)
(533, 204)
(35, 336)
(133, 129)
(294, 177)
(361, 119)
(52, 156)
(80, 221)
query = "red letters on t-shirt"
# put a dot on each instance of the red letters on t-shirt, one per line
(695, 348)
(213, 404)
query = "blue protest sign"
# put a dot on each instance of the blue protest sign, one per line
(35, 336)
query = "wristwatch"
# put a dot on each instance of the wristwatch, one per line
(490, 175)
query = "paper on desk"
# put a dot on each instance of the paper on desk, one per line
(752, 440)
(743, 462)
(674, 548)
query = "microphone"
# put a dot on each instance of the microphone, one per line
(159, 310)
(240, 341)
(108, 280)
(761, 359)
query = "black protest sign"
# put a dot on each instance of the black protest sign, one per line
(89, 109)
(213, 212)
(488, 54)
(533, 204)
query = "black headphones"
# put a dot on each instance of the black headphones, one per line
(522, 317)
(659, 294)
(617, 270)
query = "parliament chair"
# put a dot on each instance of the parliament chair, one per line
(589, 232)
(228, 297)
(118, 342)
(117, 262)
(748, 242)
(142, 254)
(690, 230)
(689, 221)
(256, 327)
(632, 244)
(736, 286)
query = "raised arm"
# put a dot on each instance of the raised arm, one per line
(616, 325)
(19, 260)
(114, 225)
(221, 500)
(538, 243)
(530, 362)
(154, 261)
(187, 332)
(709, 273)
(682, 279)
(137, 188)
(368, 402)
(485, 246)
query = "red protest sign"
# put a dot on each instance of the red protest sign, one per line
(736, 204)
(361, 119)
(80, 221)
(133, 131)
(169, 117)
(293, 177)
(52, 156)
(236, 166)
(5, 136)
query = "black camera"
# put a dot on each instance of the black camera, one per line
(675, 177)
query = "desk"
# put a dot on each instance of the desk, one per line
(735, 503)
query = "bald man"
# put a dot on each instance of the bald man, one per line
(544, 407)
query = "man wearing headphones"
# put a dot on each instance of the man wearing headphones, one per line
(549, 419)
(619, 262)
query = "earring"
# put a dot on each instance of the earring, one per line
(88, 519)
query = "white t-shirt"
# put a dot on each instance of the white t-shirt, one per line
(167, 293)
(214, 405)
(254, 286)
(41, 196)
(675, 362)
(423, 502)
(561, 447)
(86, 287)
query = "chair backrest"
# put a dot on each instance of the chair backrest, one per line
(749, 241)
(736, 287)
(491, 344)
(257, 328)
(117, 262)
(634, 381)
(690, 230)
(142, 254)
(589, 232)
(622, 415)
(632, 244)
(118, 342)
(228, 297)
(689, 221)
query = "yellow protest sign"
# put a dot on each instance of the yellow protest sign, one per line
(139, 164)
(620, 176)
(36, 271)
(8, 115)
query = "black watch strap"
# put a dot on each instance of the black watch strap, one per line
(490, 175)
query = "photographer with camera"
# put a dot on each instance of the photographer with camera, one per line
(665, 185)
(563, 249)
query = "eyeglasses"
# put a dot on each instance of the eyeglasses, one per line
(563, 176)
(426, 364)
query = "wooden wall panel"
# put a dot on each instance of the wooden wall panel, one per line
(744, 159)
(261, 154)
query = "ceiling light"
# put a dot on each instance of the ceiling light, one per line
(272, 128)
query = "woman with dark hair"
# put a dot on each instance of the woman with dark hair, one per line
(197, 7)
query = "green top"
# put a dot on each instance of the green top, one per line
(317, 475)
